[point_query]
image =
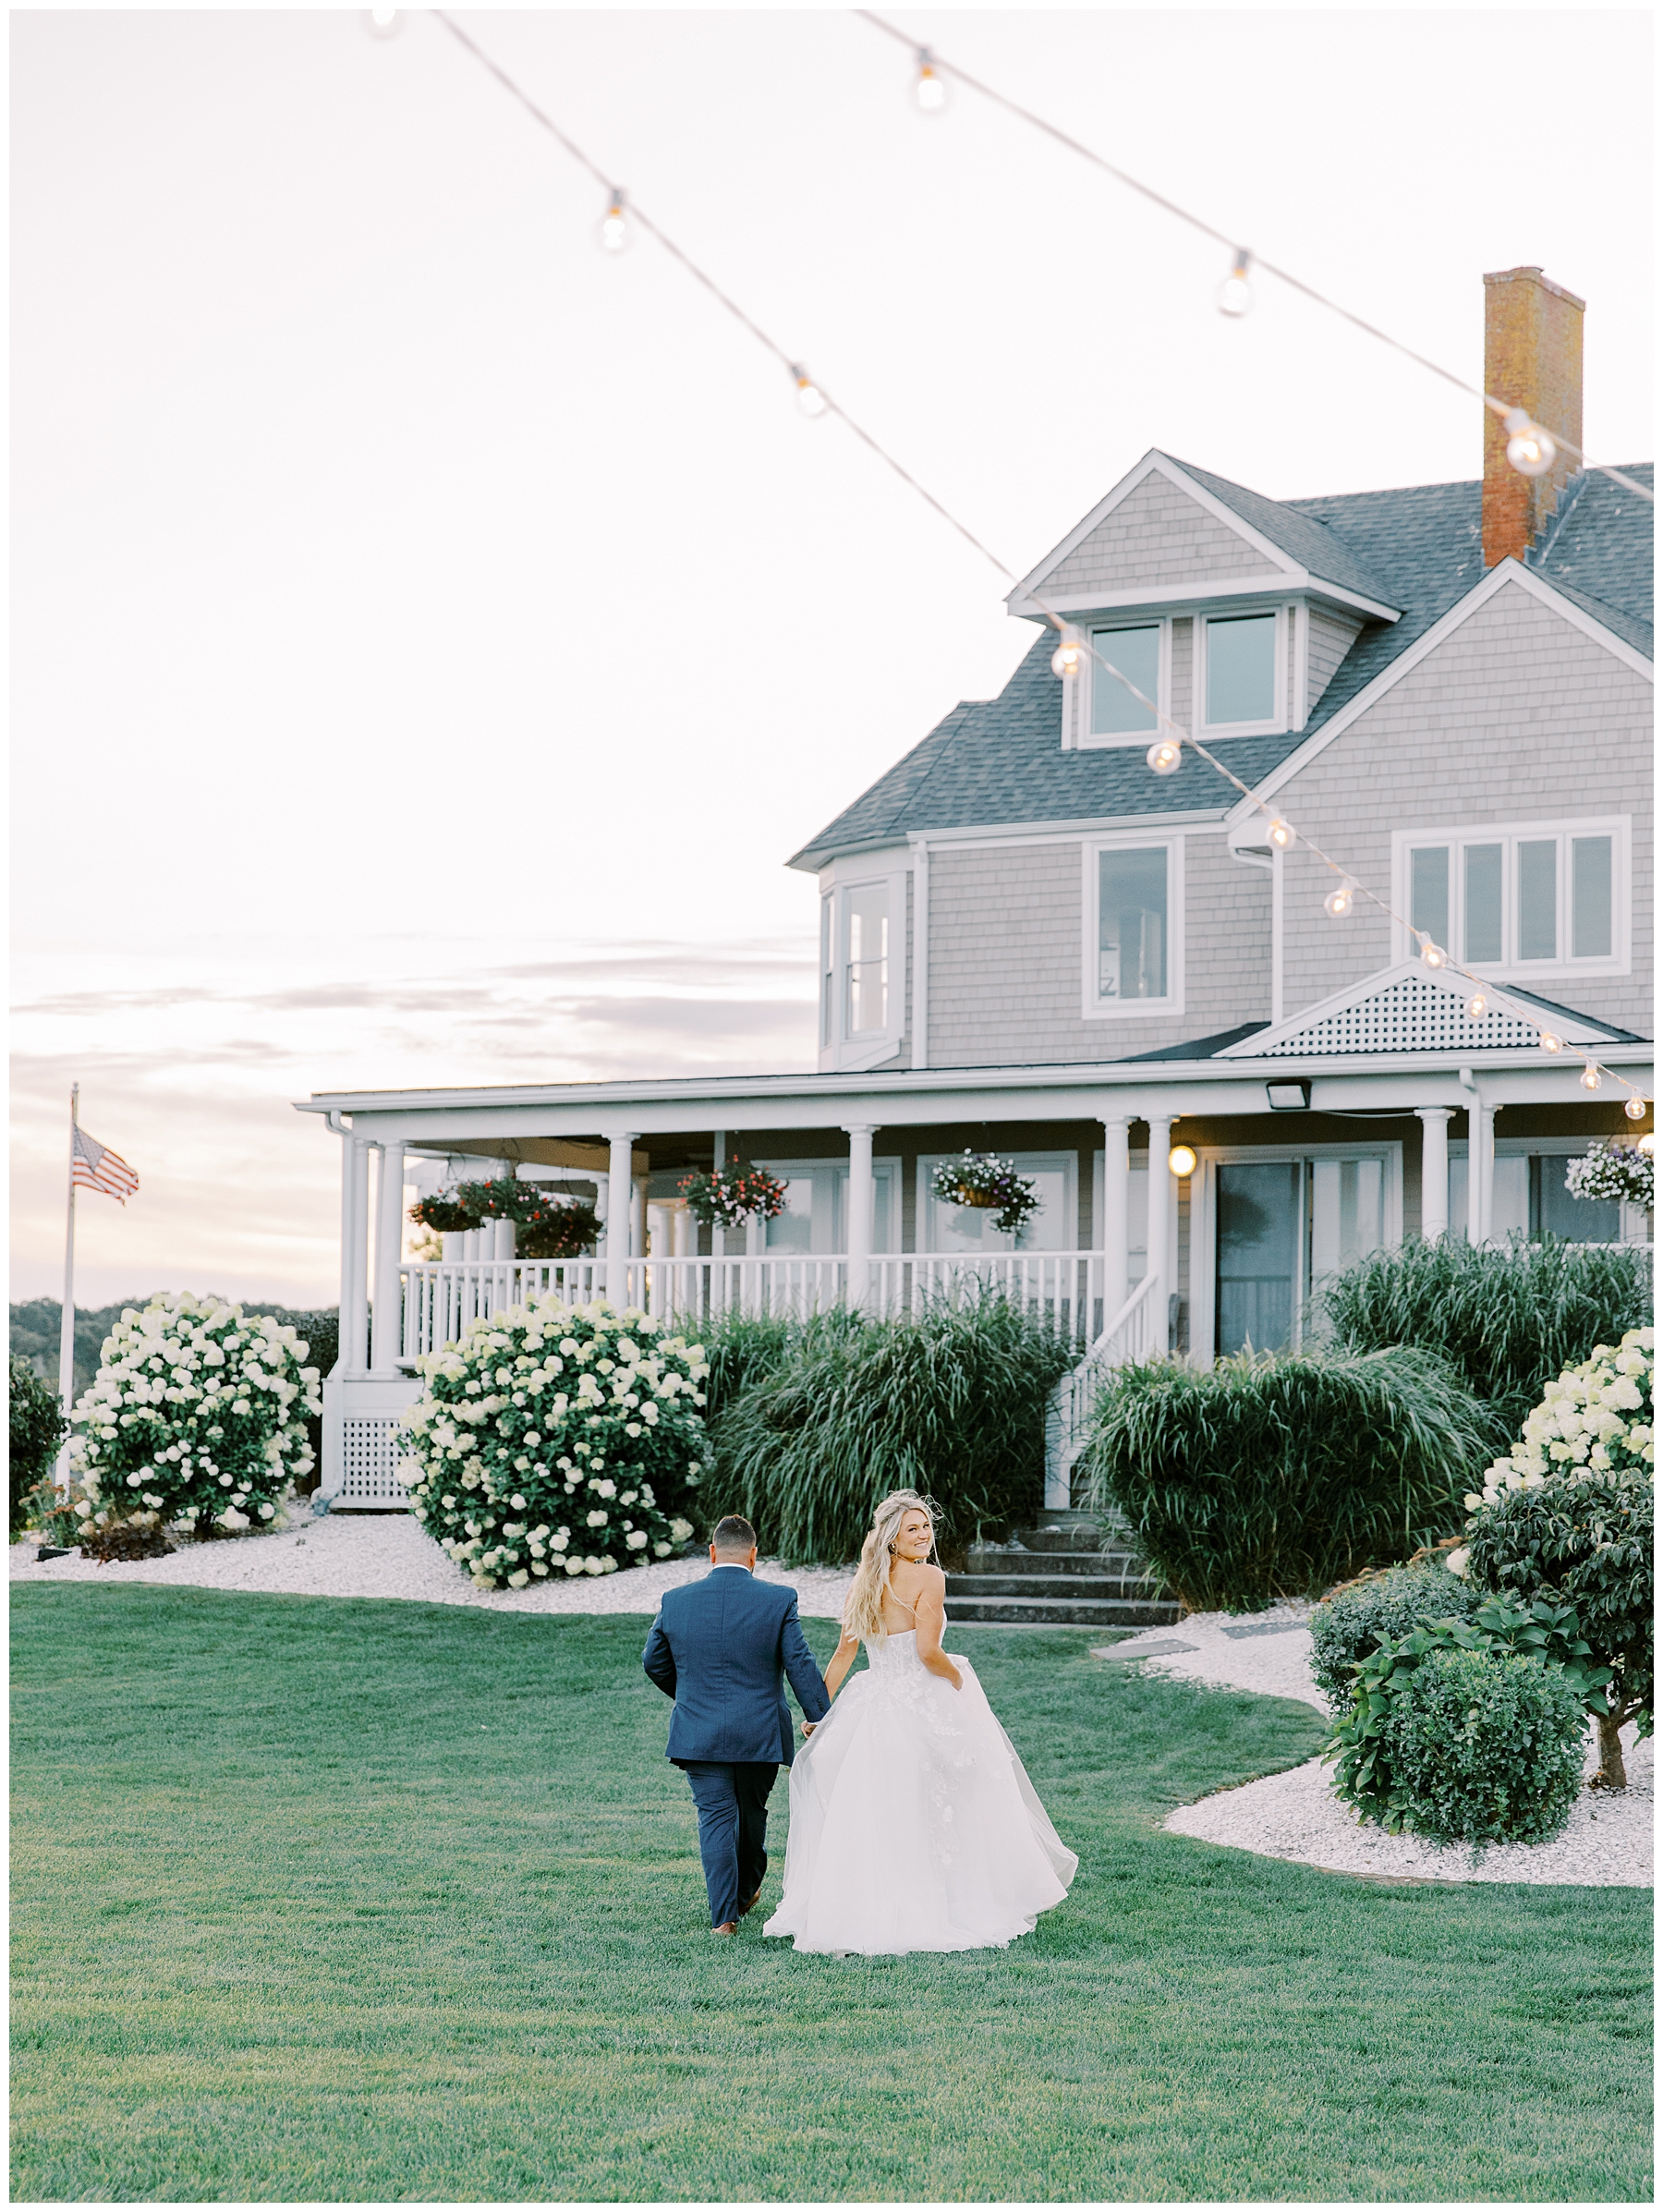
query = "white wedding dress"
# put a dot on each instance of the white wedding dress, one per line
(914, 1826)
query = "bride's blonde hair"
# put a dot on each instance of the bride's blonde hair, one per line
(863, 1608)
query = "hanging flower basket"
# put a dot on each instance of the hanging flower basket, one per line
(983, 1180)
(442, 1214)
(547, 1227)
(1612, 1170)
(725, 1197)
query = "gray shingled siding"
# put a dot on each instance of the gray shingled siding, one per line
(1184, 672)
(1331, 637)
(1158, 536)
(1005, 956)
(1518, 716)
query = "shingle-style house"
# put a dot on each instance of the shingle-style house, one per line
(1032, 945)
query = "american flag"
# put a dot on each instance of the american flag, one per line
(97, 1168)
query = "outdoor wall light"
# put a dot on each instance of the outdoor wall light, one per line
(1181, 1160)
(1288, 1098)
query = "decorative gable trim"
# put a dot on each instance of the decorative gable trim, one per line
(1505, 573)
(1284, 572)
(1411, 1008)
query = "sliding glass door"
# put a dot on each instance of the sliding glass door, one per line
(1280, 1226)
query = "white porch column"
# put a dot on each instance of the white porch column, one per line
(1159, 1261)
(685, 1227)
(637, 1217)
(355, 1257)
(1481, 1171)
(389, 1235)
(1434, 1169)
(860, 1211)
(620, 1207)
(1117, 1194)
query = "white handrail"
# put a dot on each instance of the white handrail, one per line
(1130, 1336)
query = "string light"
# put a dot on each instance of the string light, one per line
(1591, 1077)
(1236, 293)
(1069, 660)
(1549, 1043)
(1477, 1006)
(1432, 954)
(1164, 756)
(1634, 1108)
(381, 22)
(1280, 835)
(613, 228)
(1338, 901)
(810, 398)
(1529, 448)
(930, 92)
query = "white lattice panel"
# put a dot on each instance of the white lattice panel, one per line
(370, 1457)
(1410, 1015)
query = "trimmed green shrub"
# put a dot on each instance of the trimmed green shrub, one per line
(950, 1402)
(1508, 1322)
(38, 1428)
(1274, 1475)
(1379, 1608)
(1473, 1745)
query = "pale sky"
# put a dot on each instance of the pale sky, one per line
(432, 635)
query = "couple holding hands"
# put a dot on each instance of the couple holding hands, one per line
(914, 1826)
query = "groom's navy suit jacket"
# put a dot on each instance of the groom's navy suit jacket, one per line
(720, 1648)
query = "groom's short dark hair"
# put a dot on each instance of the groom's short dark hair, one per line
(731, 1534)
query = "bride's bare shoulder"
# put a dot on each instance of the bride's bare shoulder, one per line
(928, 1581)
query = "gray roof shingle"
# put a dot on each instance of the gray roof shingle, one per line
(996, 762)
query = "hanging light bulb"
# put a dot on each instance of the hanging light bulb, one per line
(1529, 448)
(1165, 756)
(810, 398)
(1280, 835)
(1647, 1144)
(1432, 955)
(1069, 660)
(614, 231)
(1338, 901)
(1477, 1006)
(930, 92)
(381, 22)
(1549, 1043)
(1590, 1076)
(1236, 293)
(1634, 1108)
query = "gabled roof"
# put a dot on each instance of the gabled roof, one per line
(997, 762)
(1411, 1008)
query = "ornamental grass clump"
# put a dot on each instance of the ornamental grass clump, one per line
(556, 1439)
(1568, 1517)
(1507, 1320)
(197, 1419)
(949, 1402)
(1378, 1607)
(1277, 1475)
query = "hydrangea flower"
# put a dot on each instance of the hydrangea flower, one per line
(1595, 1416)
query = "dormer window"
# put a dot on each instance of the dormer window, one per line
(863, 961)
(1244, 678)
(1136, 653)
(866, 970)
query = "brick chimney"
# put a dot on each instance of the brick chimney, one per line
(1533, 359)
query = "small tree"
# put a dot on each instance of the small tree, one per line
(38, 1425)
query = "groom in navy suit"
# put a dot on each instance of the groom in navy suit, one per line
(720, 1648)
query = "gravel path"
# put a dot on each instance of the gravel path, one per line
(386, 1555)
(1296, 1815)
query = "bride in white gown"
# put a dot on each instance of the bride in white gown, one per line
(914, 1826)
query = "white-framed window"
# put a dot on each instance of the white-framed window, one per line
(1521, 898)
(1242, 671)
(863, 967)
(944, 1227)
(1528, 1197)
(1142, 651)
(1133, 904)
(816, 1215)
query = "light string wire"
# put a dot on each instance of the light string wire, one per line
(1052, 616)
(1496, 406)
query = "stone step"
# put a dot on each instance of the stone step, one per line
(1067, 1612)
(1013, 1560)
(1053, 1585)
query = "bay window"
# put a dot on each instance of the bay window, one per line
(863, 980)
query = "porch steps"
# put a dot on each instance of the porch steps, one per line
(1072, 1571)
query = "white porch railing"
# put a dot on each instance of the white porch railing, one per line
(1137, 1332)
(441, 1297)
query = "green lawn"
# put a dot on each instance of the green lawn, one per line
(324, 1898)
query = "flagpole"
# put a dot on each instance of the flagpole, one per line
(67, 1323)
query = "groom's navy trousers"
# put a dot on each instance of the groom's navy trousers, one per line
(723, 1648)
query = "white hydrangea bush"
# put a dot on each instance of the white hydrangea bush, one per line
(546, 1438)
(196, 1419)
(1597, 1415)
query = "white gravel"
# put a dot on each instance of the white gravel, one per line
(386, 1555)
(1297, 1816)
